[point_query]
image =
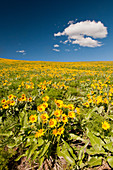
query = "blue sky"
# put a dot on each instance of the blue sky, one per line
(62, 30)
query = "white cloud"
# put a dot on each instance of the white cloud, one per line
(56, 45)
(21, 51)
(65, 41)
(56, 50)
(87, 42)
(82, 33)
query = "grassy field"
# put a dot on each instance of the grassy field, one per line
(56, 115)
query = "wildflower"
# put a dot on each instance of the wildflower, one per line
(57, 113)
(71, 114)
(3, 101)
(60, 130)
(5, 106)
(64, 118)
(59, 103)
(39, 133)
(55, 132)
(41, 108)
(30, 99)
(10, 96)
(78, 110)
(44, 117)
(45, 99)
(105, 125)
(12, 103)
(71, 106)
(33, 118)
(52, 123)
(45, 105)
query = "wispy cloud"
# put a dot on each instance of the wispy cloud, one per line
(84, 33)
(67, 50)
(57, 50)
(21, 51)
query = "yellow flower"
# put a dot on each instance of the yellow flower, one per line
(39, 133)
(105, 125)
(45, 105)
(44, 117)
(33, 118)
(12, 103)
(45, 99)
(3, 101)
(5, 106)
(71, 114)
(30, 99)
(60, 130)
(59, 103)
(10, 96)
(41, 108)
(78, 110)
(52, 123)
(55, 132)
(64, 118)
(57, 113)
(71, 106)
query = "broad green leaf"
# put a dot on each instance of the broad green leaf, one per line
(45, 149)
(40, 142)
(100, 109)
(95, 140)
(73, 136)
(31, 150)
(69, 149)
(95, 161)
(81, 151)
(109, 146)
(96, 150)
(65, 155)
(110, 160)
(11, 145)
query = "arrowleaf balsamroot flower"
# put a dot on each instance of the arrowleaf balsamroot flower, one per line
(41, 108)
(105, 125)
(71, 114)
(33, 118)
(39, 133)
(52, 123)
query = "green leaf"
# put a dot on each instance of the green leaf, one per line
(110, 117)
(40, 142)
(65, 155)
(69, 149)
(109, 146)
(110, 160)
(41, 160)
(95, 150)
(7, 134)
(36, 153)
(31, 150)
(95, 140)
(73, 136)
(17, 159)
(45, 149)
(95, 161)
(82, 150)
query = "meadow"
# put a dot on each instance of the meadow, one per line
(56, 115)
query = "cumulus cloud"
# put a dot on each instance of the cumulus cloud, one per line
(70, 22)
(56, 45)
(57, 50)
(84, 33)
